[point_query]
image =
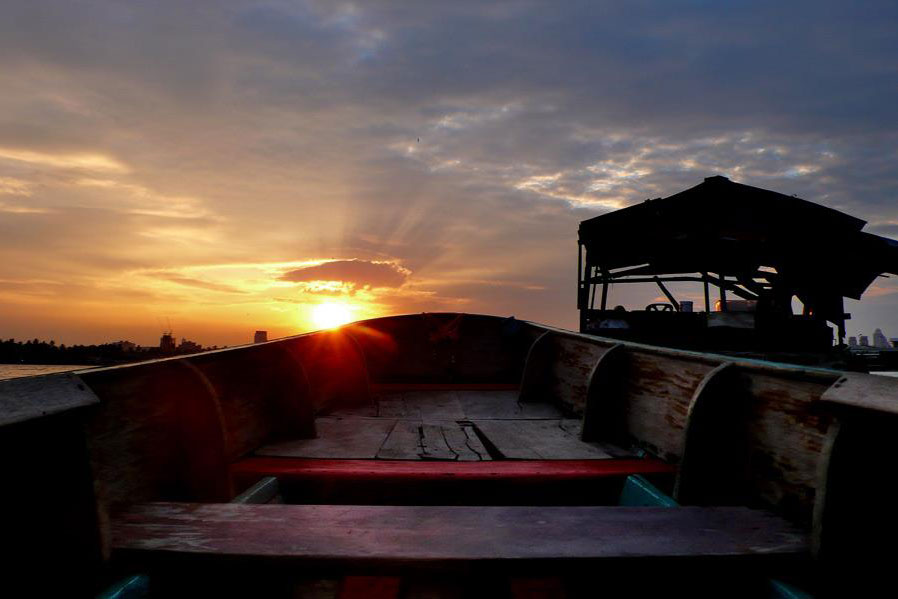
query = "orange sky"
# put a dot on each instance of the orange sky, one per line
(227, 167)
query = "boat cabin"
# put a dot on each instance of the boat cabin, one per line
(752, 251)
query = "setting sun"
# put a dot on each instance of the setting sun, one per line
(331, 314)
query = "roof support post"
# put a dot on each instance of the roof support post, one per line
(707, 292)
(723, 292)
(582, 286)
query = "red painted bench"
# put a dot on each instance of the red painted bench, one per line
(247, 471)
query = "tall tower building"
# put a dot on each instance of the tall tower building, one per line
(879, 340)
(167, 342)
(260, 337)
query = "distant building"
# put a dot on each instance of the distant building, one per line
(864, 341)
(879, 340)
(188, 346)
(125, 345)
(260, 337)
(167, 342)
(852, 341)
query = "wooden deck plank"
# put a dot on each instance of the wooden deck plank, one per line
(537, 439)
(402, 443)
(433, 443)
(392, 405)
(502, 405)
(338, 438)
(441, 536)
(463, 440)
(434, 405)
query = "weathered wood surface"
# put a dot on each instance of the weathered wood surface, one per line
(420, 405)
(27, 398)
(318, 535)
(262, 394)
(458, 405)
(782, 434)
(537, 440)
(786, 433)
(158, 434)
(338, 438)
(713, 468)
(558, 370)
(411, 440)
(403, 442)
(604, 403)
(483, 405)
(658, 390)
(464, 442)
(864, 392)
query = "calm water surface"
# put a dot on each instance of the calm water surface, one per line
(13, 371)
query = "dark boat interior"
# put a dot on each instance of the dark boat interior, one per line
(436, 455)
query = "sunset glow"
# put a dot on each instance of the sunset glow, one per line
(330, 315)
(292, 165)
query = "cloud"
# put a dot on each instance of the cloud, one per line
(357, 273)
(463, 141)
(194, 282)
(81, 160)
(13, 186)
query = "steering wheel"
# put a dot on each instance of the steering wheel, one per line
(659, 308)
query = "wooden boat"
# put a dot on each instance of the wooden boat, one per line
(446, 455)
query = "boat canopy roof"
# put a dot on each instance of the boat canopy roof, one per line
(720, 226)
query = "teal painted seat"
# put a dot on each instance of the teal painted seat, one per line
(133, 587)
(639, 492)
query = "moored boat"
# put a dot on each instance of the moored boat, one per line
(396, 454)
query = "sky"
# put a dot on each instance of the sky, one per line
(221, 167)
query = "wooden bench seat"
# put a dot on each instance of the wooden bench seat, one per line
(388, 538)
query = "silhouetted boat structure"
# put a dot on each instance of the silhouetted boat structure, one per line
(759, 246)
(447, 453)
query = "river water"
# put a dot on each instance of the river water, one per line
(14, 371)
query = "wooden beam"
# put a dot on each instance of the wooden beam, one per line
(601, 416)
(535, 369)
(707, 292)
(854, 391)
(854, 512)
(721, 283)
(713, 467)
(604, 291)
